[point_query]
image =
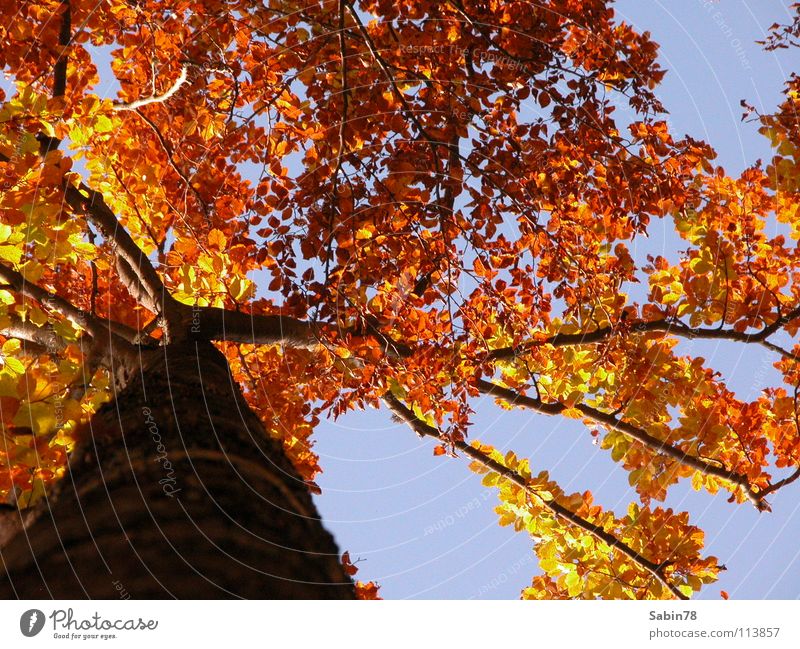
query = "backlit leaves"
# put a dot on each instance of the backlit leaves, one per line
(448, 193)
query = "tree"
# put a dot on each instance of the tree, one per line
(296, 209)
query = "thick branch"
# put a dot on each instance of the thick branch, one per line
(110, 340)
(41, 339)
(130, 278)
(78, 317)
(559, 511)
(215, 324)
(91, 202)
(707, 468)
(141, 278)
(212, 323)
(45, 336)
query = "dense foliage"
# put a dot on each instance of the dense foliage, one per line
(406, 204)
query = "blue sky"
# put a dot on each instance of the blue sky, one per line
(425, 527)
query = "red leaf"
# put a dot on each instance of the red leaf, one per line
(348, 566)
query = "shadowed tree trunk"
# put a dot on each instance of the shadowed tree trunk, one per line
(176, 491)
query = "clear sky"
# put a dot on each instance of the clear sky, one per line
(425, 527)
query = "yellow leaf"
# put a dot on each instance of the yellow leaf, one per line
(11, 253)
(217, 239)
(103, 124)
(39, 417)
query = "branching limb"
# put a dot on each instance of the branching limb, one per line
(303, 334)
(666, 325)
(212, 323)
(130, 279)
(108, 337)
(782, 483)
(216, 324)
(423, 429)
(707, 468)
(40, 339)
(78, 317)
(134, 267)
(137, 271)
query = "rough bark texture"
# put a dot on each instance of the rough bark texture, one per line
(239, 521)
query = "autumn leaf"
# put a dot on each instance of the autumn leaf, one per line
(367, 591)
(349, 567)
(355, 214)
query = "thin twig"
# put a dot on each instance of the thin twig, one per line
(158, 99)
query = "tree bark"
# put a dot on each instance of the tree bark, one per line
(177, 491)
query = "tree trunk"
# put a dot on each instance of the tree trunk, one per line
(177, 491)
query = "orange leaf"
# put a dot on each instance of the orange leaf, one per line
(367, 590)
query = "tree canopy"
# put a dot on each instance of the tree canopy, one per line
(401, 204)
